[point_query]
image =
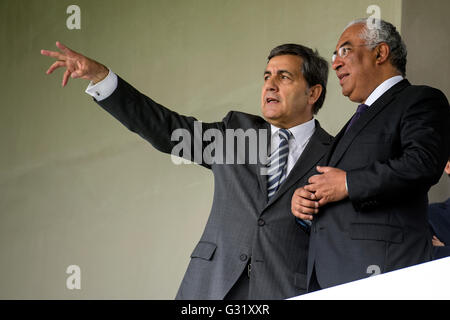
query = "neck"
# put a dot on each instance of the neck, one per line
(380, 79)
(289, 125)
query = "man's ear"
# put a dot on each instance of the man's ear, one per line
(314, 93)
(447, 167)
(382, 52)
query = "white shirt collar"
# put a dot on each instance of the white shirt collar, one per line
(301, 136)
(382, 88)
(301, 132)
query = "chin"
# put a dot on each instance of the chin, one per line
(351, 96)
(345, 92)
(269, 113)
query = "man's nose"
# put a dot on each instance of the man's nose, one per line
(337, 63)
(270, 85)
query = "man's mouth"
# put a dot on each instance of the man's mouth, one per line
(342, 77)
(270, 100)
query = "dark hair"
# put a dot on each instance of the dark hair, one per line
(314, 67)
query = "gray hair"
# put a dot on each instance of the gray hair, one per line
(377, 31)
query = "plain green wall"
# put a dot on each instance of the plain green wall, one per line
(76, 187)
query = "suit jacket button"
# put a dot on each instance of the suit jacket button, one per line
(261, 222)
(243, 257)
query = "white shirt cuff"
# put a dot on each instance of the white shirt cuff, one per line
(103, 89)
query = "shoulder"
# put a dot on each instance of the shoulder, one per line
(238, 119)
(419, 92)
(322, 134)
(415, 99)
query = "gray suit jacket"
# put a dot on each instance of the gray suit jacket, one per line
(242, 224)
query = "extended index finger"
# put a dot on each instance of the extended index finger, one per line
(53, 54)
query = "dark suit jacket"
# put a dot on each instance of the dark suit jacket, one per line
(392, 155)
(439, 219)
(242, 225)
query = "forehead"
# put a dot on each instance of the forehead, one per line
(351, 35)
(287, 62)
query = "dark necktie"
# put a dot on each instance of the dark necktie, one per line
(278, 162)
(361, 109)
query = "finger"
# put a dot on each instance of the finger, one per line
(306, 192)
(303, 202)
(323, 201)
(299, 191)
(56, 65)
(66, 77)
(75, 74)
(53, 54)
(302, 193)
(323, 169)
(314, 179)
(304, 216)
(310, 191)
(305, 207)
(62, 47)
(306, 210)
(298, 212)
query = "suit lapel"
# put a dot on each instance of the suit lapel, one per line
(260, 167)
(314, 151)
(344, 140)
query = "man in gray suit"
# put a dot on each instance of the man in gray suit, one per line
(252, 247)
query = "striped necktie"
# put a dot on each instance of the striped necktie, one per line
(278, 163)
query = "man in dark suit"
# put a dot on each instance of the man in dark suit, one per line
(251, 247)
(368, 204)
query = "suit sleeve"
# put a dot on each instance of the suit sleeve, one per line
(163, 128)
(417, 164)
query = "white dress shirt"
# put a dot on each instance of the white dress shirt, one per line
(103, 89)
(382, 88)
(301, 135)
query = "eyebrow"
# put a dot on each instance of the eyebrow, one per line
(342, 45)
(279, 72)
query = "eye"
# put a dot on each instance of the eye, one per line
(345, 51)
